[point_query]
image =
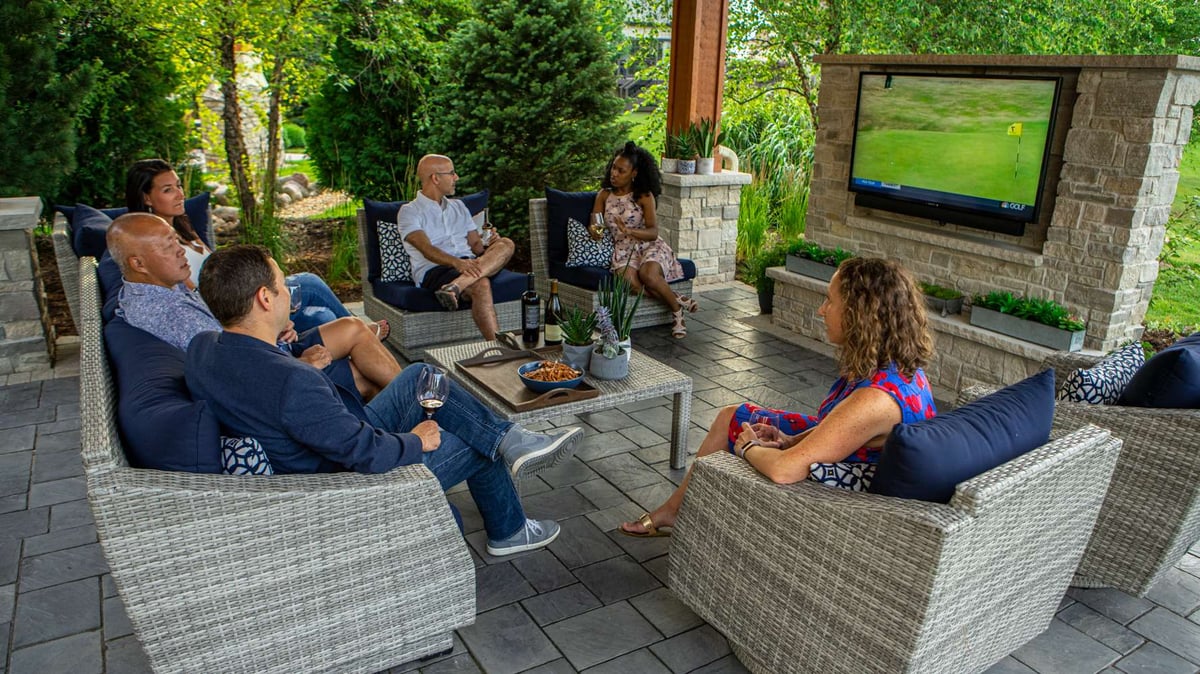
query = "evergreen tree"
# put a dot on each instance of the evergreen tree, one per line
(526, 99)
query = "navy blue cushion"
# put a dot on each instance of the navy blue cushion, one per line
(161, 426)
(590, 277)
(374, 211)
(69, 213)
(196, 209)
(927, 460)
(89, 232)
(559, 207)
(506, 287)
(1171, 379)
(110, 282)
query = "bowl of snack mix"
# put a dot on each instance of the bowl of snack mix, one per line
(546, 375)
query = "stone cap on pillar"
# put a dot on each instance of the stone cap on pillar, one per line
(706, 180)
(19, 212)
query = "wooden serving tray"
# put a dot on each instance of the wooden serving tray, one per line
(495, 369)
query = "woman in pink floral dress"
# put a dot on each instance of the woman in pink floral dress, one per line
(631, 185)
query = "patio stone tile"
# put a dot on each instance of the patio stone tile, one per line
(1152, 658)
(108, 587)
(67, 411)
(639, 405)
(506, 640)
(569, 472)
(10, 559)
(1065, 650)
(20, 396)
(5, 632)
(711, 370)
(581, 543)
(668, 615)
(116, 620)
(641, 549)
(24, 523)
(543, 571)
(15, 469)
(455, 663)
(655, 454)
(56, 612)
(1009, 665)
(607, 420)
(61, 566)
(726, 665)
(615, 579)
(472, 520)
(721, 396)
(70, 515)
(8, 598)
(782, 362)
(610, 518)
(692, 649)
(1064, 602)
(60, 426)
(739, 364)
(560, 604)
(658, 419)
(57, 442)
(652, 495)
(602, 634)
(766, 396)
(499, 584)
(60, 539)
(457, 648)
(625, 472)
(559, 666)
(15, 418)
(1115, 604)
(600, 445)
(1177, 591)
(675, 475)
(77, 654)
(13, 503)
(58, 491)
(601, 494)
(557, 504)
(1102, 629)
(16, 439)
(1190, 564)
(59, 391)
(640, 661)
(702, 383)
(1177, 634)
(642, 437)
(56, 465)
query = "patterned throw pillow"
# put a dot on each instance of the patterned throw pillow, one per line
(394, 261)
(582, 251)
(1103, 383)
(244, 456)
(846, 475)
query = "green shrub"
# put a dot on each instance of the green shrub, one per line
(940, 292)
(293, 136)
(832, 257)
(343, 261)
(754, 269)
(1044, 311)
(793, 203)
(754, 219)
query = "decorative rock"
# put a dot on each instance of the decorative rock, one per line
(220, 195)
(300, 178)
(282, 199)
(295, 191)
(228, 213)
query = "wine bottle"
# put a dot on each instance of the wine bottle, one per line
(553, 313)
(531, 314)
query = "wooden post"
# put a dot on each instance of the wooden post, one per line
(697, 76)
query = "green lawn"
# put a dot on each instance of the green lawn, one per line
(1176, 299)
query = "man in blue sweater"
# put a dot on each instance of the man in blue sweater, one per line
(295, 411)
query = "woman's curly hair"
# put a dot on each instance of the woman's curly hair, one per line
(648, 179)
(883, 319)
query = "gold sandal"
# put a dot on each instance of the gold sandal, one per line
(647, 524)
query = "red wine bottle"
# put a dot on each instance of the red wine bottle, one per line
(531, 314)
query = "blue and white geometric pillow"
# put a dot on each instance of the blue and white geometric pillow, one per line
(394, 260)
(244, 456)
(1103, 383)
(582, 251)
(845, 475)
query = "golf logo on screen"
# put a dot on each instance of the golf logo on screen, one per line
(1012, 206)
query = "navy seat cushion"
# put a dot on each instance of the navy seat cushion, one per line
(69, 213)
(374, 211)
(927, 460)
(590, 277)
(89, 231)
(196, 209)
(161, 426)
(1171, 379)
(506, 287)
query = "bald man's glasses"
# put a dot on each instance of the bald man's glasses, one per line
(445, 173)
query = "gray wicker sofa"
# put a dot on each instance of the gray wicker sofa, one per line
(808, 578)
(288, 573)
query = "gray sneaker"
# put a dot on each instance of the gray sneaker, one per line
(535, 534)
(527, 452)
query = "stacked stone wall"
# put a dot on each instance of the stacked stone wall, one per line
(697, 215)
(23, 320)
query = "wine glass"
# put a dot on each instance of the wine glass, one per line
(432, 388)
(598, 226)
(294, 293)
(761, 418)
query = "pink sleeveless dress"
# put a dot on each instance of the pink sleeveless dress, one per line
(634, 252)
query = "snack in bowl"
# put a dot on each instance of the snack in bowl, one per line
(546, 375)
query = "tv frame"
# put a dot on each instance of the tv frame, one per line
(942, 206)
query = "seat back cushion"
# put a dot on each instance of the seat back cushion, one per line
(375, 212)
(196, 209)
(506, 287)
(590, 277)
(1171, 379)
(1103, 383)
(89, 232)
(161, 426)
(111, 281)
(560, 206)
(928, 459)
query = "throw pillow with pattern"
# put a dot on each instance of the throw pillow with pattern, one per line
(582, 251)
(1103, 383)
(395, 264)
(845, 475)
(244, 456)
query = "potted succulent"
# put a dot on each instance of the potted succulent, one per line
(809, 259)
(704, 141)
(671, 152)
(754, 272)
(683, 145)
(941, 299)
(577, 328)
(610, 358)
(616, 296)
(1032, 319)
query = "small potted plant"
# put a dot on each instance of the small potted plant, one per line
(610, 358)
(684, 145)
(941, 299)
(809, 259)
(754, 272)
(671, 152)
(616, 295)
(1032, 319)
(577, 328)
(704, 141)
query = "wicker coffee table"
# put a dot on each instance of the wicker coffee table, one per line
(647, 379)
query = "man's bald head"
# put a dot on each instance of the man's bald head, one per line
(431, 164)
(147, 250)
(437, 176)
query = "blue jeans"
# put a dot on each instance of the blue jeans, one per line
(469, 453)
(318, 304)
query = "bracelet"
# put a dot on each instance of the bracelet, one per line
(747, 446)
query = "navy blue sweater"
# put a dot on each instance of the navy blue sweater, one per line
(291, 408)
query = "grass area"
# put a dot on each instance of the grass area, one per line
(1175, 303)
(346, 209)
(303, 166)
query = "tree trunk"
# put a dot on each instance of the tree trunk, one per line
(235, 143)
(274, 140)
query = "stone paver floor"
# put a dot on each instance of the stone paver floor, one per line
(594, 600)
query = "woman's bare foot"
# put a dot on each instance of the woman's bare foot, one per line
(381, 329)
(659, 519)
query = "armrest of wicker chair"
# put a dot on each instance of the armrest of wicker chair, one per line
(806, 577)
(68, 265)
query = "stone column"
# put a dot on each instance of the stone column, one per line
(26, 334)
(697, 215)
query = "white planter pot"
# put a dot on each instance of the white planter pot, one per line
(704, 166)
(669, 165)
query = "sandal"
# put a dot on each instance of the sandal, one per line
(688, 304)
(648, 524)
(381, 329)
(447, 296)
(678, 330)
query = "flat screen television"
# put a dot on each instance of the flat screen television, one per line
(970, 150)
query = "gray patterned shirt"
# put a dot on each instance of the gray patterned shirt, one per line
(174, 315)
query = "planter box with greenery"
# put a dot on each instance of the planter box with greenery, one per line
(942, 300)
(1032, 319)
(754, 272)
(809, 259)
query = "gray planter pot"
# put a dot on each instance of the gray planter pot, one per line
(578, 357)
(610, 368)
(944, 307)
(807, 267)
(668, 164)
(1030, 331)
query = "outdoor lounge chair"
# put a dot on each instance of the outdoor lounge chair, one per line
(284, 573)
(812, 578)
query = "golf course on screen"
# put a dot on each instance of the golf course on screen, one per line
(978, 137)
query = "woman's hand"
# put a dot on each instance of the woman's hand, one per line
(770, 436)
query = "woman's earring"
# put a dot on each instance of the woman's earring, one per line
(149, 209)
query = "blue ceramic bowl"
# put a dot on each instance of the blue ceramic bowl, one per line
(543, 386)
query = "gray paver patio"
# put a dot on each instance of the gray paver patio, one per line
(593, 601)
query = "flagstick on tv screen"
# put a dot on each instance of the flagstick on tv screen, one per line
(963, 149)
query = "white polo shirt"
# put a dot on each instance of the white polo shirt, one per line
(446, 224)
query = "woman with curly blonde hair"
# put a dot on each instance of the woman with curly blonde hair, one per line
(874, 312)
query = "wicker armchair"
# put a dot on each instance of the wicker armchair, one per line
(413, 331)
(649, 312)
(1151, 515)
(810, 578)
(288, 573)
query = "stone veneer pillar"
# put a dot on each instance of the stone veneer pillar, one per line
(697, 215)
(26, 334)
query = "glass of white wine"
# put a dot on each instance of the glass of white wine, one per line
(432, 388)
(598, 226)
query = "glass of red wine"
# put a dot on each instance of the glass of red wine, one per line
(432, 388)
